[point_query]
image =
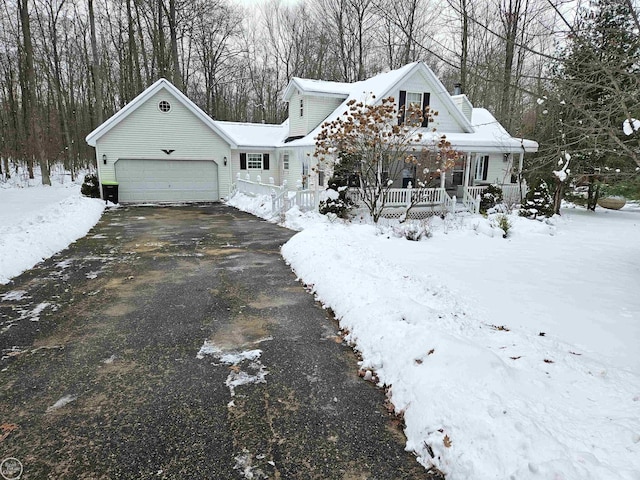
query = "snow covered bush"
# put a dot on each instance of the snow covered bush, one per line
(335, 201)
(538, 202)
(491, 197)
(503, 222)
(413, 231)
(90, 187)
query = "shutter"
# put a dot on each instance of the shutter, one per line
(426, 98)
(243, 161)
(401, 102)
(265, 161)
(485, 167)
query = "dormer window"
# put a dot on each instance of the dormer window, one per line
(413, 99)
(302, 107)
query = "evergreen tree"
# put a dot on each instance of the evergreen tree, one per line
(538, 202)
(598, 88)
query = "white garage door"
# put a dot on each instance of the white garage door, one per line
(167, 180)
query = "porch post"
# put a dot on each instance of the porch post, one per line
(520, 159)
(467, 170)
(442, 175)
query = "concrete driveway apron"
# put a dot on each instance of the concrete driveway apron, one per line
(176, 343)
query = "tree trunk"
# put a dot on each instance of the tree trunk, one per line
(464, 54)
(173, 34)
(28, 93)
(95, 68)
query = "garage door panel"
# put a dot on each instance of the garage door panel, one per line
(149, 180)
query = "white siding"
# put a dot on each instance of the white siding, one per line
(444, 122)
(315, 110)
(464, 105)
(295, 169)
(147, 131)
(499, 171)
(297, 127)
(253, 173)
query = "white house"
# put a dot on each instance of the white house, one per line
(162, 147)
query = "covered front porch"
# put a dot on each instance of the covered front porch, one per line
(425, 202)
(460, 188)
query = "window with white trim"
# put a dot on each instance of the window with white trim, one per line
(302, 107)
(254, 161)
(481, 166)
(414, 99)
(164, 106)
(285, 161)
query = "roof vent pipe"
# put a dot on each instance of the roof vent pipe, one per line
(457, 89)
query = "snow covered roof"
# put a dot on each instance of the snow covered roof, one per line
(483, 133)
(317, 87)
(373, 90)
(255, 134)
(134, 104)
(489, 136)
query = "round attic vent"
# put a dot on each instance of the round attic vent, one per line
(164, 106)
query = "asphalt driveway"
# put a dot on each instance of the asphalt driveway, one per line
(176, 343)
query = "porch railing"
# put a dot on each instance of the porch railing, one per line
(470, 202)
(510, 194)
(305, 200)
(246, 186)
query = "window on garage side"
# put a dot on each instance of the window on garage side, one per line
(254, 161)
(285, 161)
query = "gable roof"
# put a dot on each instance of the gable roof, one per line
(320, 88)
(373, 90)
(133, 105)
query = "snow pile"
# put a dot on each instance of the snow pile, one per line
(38, 221)
(507, 358)
(260, 206)
(501, 355)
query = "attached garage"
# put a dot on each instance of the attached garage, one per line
(162, 148)
(154, 180)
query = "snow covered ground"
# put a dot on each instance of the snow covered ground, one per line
(513, 358)
(37, 221)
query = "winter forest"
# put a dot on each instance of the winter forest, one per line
(565, 73)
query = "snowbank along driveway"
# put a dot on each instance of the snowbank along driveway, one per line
(175, 343)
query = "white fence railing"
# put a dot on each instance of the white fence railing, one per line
(257, 188)
(305, 200)
(471, 203)
(511, 194)
(436, 198)
(404, 197)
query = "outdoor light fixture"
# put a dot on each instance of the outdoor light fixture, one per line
(225, 161)
(104, 158)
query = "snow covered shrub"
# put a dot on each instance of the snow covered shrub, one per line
(413, 231)
(538, 202)
(502, 222)
(491, 197)
(90, 186)
(336, 201)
